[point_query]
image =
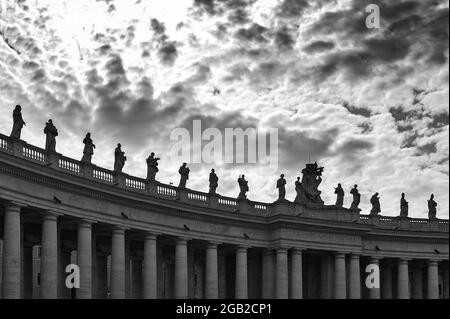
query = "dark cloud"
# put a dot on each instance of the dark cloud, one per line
(292, 8)
(253, 33)
(319, 46)
(283, 40)
(427, 149)
(357, 110)
(157, 27)
(168, 53)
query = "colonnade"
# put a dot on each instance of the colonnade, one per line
(282, 271)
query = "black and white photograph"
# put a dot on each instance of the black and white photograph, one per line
(224, 155)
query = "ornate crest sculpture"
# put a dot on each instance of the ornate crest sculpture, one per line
(307, 189)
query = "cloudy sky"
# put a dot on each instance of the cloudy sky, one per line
(370, 105)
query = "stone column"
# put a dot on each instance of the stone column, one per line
(282, 284)
(340, 286)
(181, 269)
(136, 278)
(355, 278)
(212, 275)
(417, 279)
(241, 273)
(102, 276)
(386, 284)
(403, 279)
(11, 252)
(326, 276)
(49, 260)
(64, 260)
(445, 275)
(127, 268)
(297, 274)
(27, 272)
(268, 274)
(118, 263)
(149, 288)
(222, 275)
(433, 280)
(84, 259)
(374, 293)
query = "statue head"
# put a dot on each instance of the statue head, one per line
(356, 186)
(18, 107)
(376, 194)
(282, 175)
(432, 196)
(212, 170)
(119, 145)
(88, 135)
(339, 184)
(50, 121)
(403, 195)
(184, 164)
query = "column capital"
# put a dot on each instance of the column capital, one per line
(151, 236)
(339, 254)
(297, 250)
(118, 229)
(403, 260)
(374, 259)
(242, 248)
(282, 249)
(355, 256)
(86, 222)
(432, 262)
(182, 240)
(51, 214)
(213, 244)
(13, 204)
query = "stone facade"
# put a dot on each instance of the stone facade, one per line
(133, 238)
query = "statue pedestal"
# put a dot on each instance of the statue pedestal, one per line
(374, 220)
(152, 187)
(52, 159)
(244, 205)
(119, 179)
(213, 200)
(182, 195)
(434, 224)
(17, 147)
(87, 170)
(282, 207)
(403, 222)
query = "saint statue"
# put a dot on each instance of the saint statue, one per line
(301, 196)
(152, 166)
(375, 201)
(213, 181)
(339, 191)
(432, 208)
(356, 198)
(243, 187)
(281, 185)
(88, 150)
(184, 175)
(403, 206)
(119, 159)
(51, 133)
(18, 122)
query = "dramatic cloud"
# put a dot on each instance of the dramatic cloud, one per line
(371, 105)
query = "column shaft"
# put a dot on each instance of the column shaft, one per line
(340, 289)
(11, 252)
(297, 274)
(403, 279)
(84, 258)
(27, 272)
(355, 278)
(49, 260)
(268, 274)
(181, 269)
(374, 293)
(446, 279)
(386, 285)
(117, 280)
(212, 275)
(150, 268)
(433, 280)
(136, 278)
(282, 284)
(241, 273)
(417, 287)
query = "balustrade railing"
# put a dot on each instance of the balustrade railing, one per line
(30, 152)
